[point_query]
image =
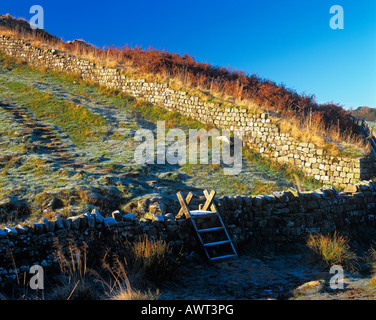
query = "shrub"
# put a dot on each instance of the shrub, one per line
(119, 286)
(76, 281)
(128, 293)
(372, 282)
(124, 291)
(371, 259)
(332, 250)
(152, 258)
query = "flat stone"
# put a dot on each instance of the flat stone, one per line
(158, 217)
(11, 232)
(75, 222)
(50, 225)
(3, 234)
(129, 217)
(169, 216)
(90, 219)
(38, 227)
(117, 215)
(350, 189)
(98, 217)
(109, 221)
(22, 229)
(59, 223)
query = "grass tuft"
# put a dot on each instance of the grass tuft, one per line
(75, 281)
(332, 250)
(152, 258)
(120, 287)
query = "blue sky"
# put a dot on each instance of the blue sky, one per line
(287, 41)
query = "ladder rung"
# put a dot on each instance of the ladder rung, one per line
(222, 257)
(210, 229)
(202, 214)
(195, 217)
(209, 244)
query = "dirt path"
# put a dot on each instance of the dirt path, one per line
(243, 277)
(43, 135)
(46, 141)
(255, 277)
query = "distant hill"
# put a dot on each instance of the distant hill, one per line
(367, 113)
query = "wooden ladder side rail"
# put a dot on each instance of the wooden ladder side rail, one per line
(214, 209)
(200, 238)
(209, 203)
(187, 213)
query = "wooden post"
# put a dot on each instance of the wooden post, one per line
(209, 199)
(184, 204)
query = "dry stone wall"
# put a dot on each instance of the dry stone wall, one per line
(259, 133)
(280, 218)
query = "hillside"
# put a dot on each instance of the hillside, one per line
(68, 144)
(217, 84)
(74, 200)
(51, 163)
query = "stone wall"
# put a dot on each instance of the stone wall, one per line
(260, 133)
(280, 218)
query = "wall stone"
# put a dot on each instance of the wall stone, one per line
(280, 218)
(259, 133)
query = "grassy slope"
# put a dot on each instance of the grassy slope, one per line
(329, 125)
(97, 127)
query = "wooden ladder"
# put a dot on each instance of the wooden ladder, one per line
(209, 226)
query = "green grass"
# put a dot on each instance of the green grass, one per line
(102, 123)
(372, 124)
(35, 165)
(153, 113)
(78, 121)
(9, 63)
(147, 111)
(294, 175)
(140, 109)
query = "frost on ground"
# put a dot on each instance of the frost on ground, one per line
(40, 163)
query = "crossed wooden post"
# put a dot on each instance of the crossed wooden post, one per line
(222, 247)
(185, 203)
